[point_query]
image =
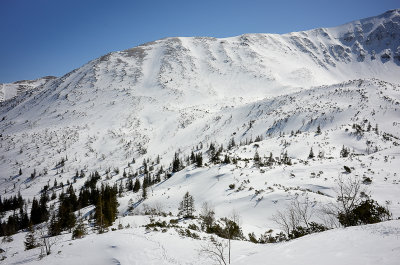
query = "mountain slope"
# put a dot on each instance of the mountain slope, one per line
(153, 91)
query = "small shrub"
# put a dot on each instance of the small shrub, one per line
(367, 212)
(174, 221)
(253, 238)
(7, 239)
(193, 227)
(188, 233)
(367, 180)
(302, 231)
(232, 186)
(156, 224)
(79, 231)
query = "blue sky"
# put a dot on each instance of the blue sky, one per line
(53, 37)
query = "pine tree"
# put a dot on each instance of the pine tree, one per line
(129, 184)
(35, 212)
(30, 239)
(120, 190)
(145, 169)
(286, 160)
(344, 152)
(79, 231)
(144, 192)
(136, 187)
(186, 206)
(231, 143)
(192, 158)
(311, 155)
(226, 159)
(99, 216)
(319, 129)
(54, 227)
(23, 219)
(176, 163)
(270, 159)
(199, 160)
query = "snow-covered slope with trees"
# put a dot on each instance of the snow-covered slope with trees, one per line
(278, 96)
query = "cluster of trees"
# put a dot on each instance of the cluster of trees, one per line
(215, 155)
(270, 160)
(61, 163)
(12, 203)
(130, 186)
(106, 207)
(14, 222)
(104, 198)
(39, 209)
(364, 127)
(65, 217)
(19, 219)
(225, 227)
(178, 164)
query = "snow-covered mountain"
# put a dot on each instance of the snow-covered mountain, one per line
(149, 96)
(181, 94)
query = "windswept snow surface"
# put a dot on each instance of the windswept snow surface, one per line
(371, 244)
(180, 95)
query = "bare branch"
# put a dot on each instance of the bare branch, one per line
(214, 250)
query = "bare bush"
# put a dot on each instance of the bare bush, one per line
(46, 241)
(298, 213)
(215, 250)
(350, 193)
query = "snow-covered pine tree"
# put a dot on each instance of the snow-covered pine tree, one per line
(311, 155)
(30, 239)
(186, 206)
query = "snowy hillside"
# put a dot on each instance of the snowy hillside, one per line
(11, 90)
(268, 93)
(135, 246)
